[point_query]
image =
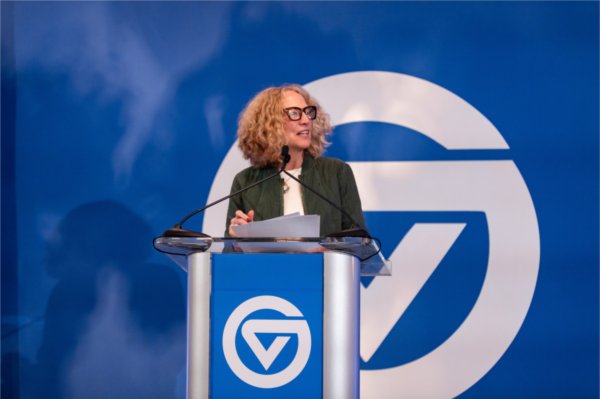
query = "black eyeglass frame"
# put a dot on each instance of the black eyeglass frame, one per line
(301, 111)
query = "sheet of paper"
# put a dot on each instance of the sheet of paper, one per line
(293, 225)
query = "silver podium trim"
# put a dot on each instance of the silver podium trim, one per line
(198, 329)
(341, 327)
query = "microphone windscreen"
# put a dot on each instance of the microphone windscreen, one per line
(285, 154)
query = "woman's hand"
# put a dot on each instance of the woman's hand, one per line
(240, 218)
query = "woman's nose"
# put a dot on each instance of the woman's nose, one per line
(304, 119)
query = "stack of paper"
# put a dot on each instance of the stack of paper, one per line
(293, 225)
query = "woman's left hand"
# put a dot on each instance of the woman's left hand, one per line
(240, 218)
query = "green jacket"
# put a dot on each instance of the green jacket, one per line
(330, 177)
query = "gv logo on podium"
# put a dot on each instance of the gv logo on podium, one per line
(266, 356)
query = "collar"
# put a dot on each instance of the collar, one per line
(307, 162)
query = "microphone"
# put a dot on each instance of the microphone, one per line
(285, 157)
(355, 231)
(178, 230)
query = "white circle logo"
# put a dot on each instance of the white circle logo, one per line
(266, 356)
(494, 187)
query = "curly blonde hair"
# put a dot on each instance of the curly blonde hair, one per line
(261, 131)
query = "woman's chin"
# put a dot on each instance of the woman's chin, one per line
(299, 147)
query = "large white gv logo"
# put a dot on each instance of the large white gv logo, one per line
(494, 187)
(266, 356)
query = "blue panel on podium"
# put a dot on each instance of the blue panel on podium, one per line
(266, 326)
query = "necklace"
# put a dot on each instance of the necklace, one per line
(285, 179)
(286, 188)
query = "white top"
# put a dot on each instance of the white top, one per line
(292, 198)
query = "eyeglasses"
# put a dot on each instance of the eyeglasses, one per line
(295, 113)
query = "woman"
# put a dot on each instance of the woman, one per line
(288, 115)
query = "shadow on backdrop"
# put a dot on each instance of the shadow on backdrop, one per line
(114, 324)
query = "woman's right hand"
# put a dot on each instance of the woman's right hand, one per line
(240, 218)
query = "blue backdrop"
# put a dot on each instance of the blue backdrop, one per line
(116, 117)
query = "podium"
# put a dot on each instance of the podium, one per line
(273, 317)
